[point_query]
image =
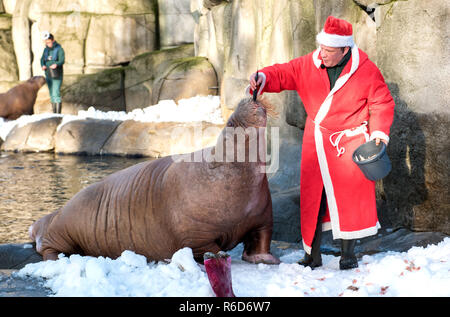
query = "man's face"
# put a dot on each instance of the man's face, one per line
(331, 56)
(49, 43)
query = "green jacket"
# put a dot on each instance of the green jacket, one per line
(54, 55)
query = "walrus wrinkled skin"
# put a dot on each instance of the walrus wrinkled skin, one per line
(158, 207)
(20, 99)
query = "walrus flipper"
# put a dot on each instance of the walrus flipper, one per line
(257, 241)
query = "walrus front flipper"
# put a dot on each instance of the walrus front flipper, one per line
(218, 269)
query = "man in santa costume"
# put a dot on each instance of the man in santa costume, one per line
(348, 103)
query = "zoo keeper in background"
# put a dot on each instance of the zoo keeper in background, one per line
(347, 103)
(52, 62)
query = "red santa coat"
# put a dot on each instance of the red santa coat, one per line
(358, 108)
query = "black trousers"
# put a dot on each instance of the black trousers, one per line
(323, 207)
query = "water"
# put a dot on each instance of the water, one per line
(34, 185)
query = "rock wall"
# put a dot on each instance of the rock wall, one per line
(96, 35)
(9, 71)
(413, 45)
(107, 137)
(108, 47)
(172, 74)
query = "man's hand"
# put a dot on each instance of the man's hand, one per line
(377, 141)
(53, 66)
(44, 67)
(253, 83)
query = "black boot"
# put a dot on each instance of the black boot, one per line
(348, 259)
(58, 107)
(314, 259)
(54, 107)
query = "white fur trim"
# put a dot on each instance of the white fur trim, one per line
(334, 40)
(325, 107)
(358, 234)
(316, 59)
(326, 177)
(379, 134)
(306, 248)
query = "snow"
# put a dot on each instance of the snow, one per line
(418, 272)
(6, 126)
(199, 108)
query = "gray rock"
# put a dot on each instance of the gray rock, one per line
(8, 64)
(415, 193)
(95, 35)
(412, 45)
(158, 139)
(398, 241)
(103, 90)
(16, 256)
(176, 23)
(36, 136)
(145, 75)
(188, 77)
(286, 215)
(84, 136)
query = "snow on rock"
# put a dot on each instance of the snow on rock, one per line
(6, 126)
(199, 108)
(418, 272)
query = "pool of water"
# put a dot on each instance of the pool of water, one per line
(33, 185)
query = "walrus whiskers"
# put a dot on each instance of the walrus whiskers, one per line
(270, 108)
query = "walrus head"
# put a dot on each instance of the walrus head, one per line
(39, 81)
(251, 113)
(243, 140)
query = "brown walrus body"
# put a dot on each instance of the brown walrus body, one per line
(20, 99)
(158, 207)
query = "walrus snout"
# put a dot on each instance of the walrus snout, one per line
(39, 80)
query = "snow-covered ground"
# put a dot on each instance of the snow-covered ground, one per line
(200, 108)
(418, 272)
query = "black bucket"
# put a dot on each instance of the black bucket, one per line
(55, 73)
(372, 160)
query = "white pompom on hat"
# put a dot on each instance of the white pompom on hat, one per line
(46, 35)
(336, 33)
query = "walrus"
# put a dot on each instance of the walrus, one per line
(20, 99)
(157, 207)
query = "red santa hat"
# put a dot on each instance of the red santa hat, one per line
(336, 33)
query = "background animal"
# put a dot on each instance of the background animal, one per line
(20, 99)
